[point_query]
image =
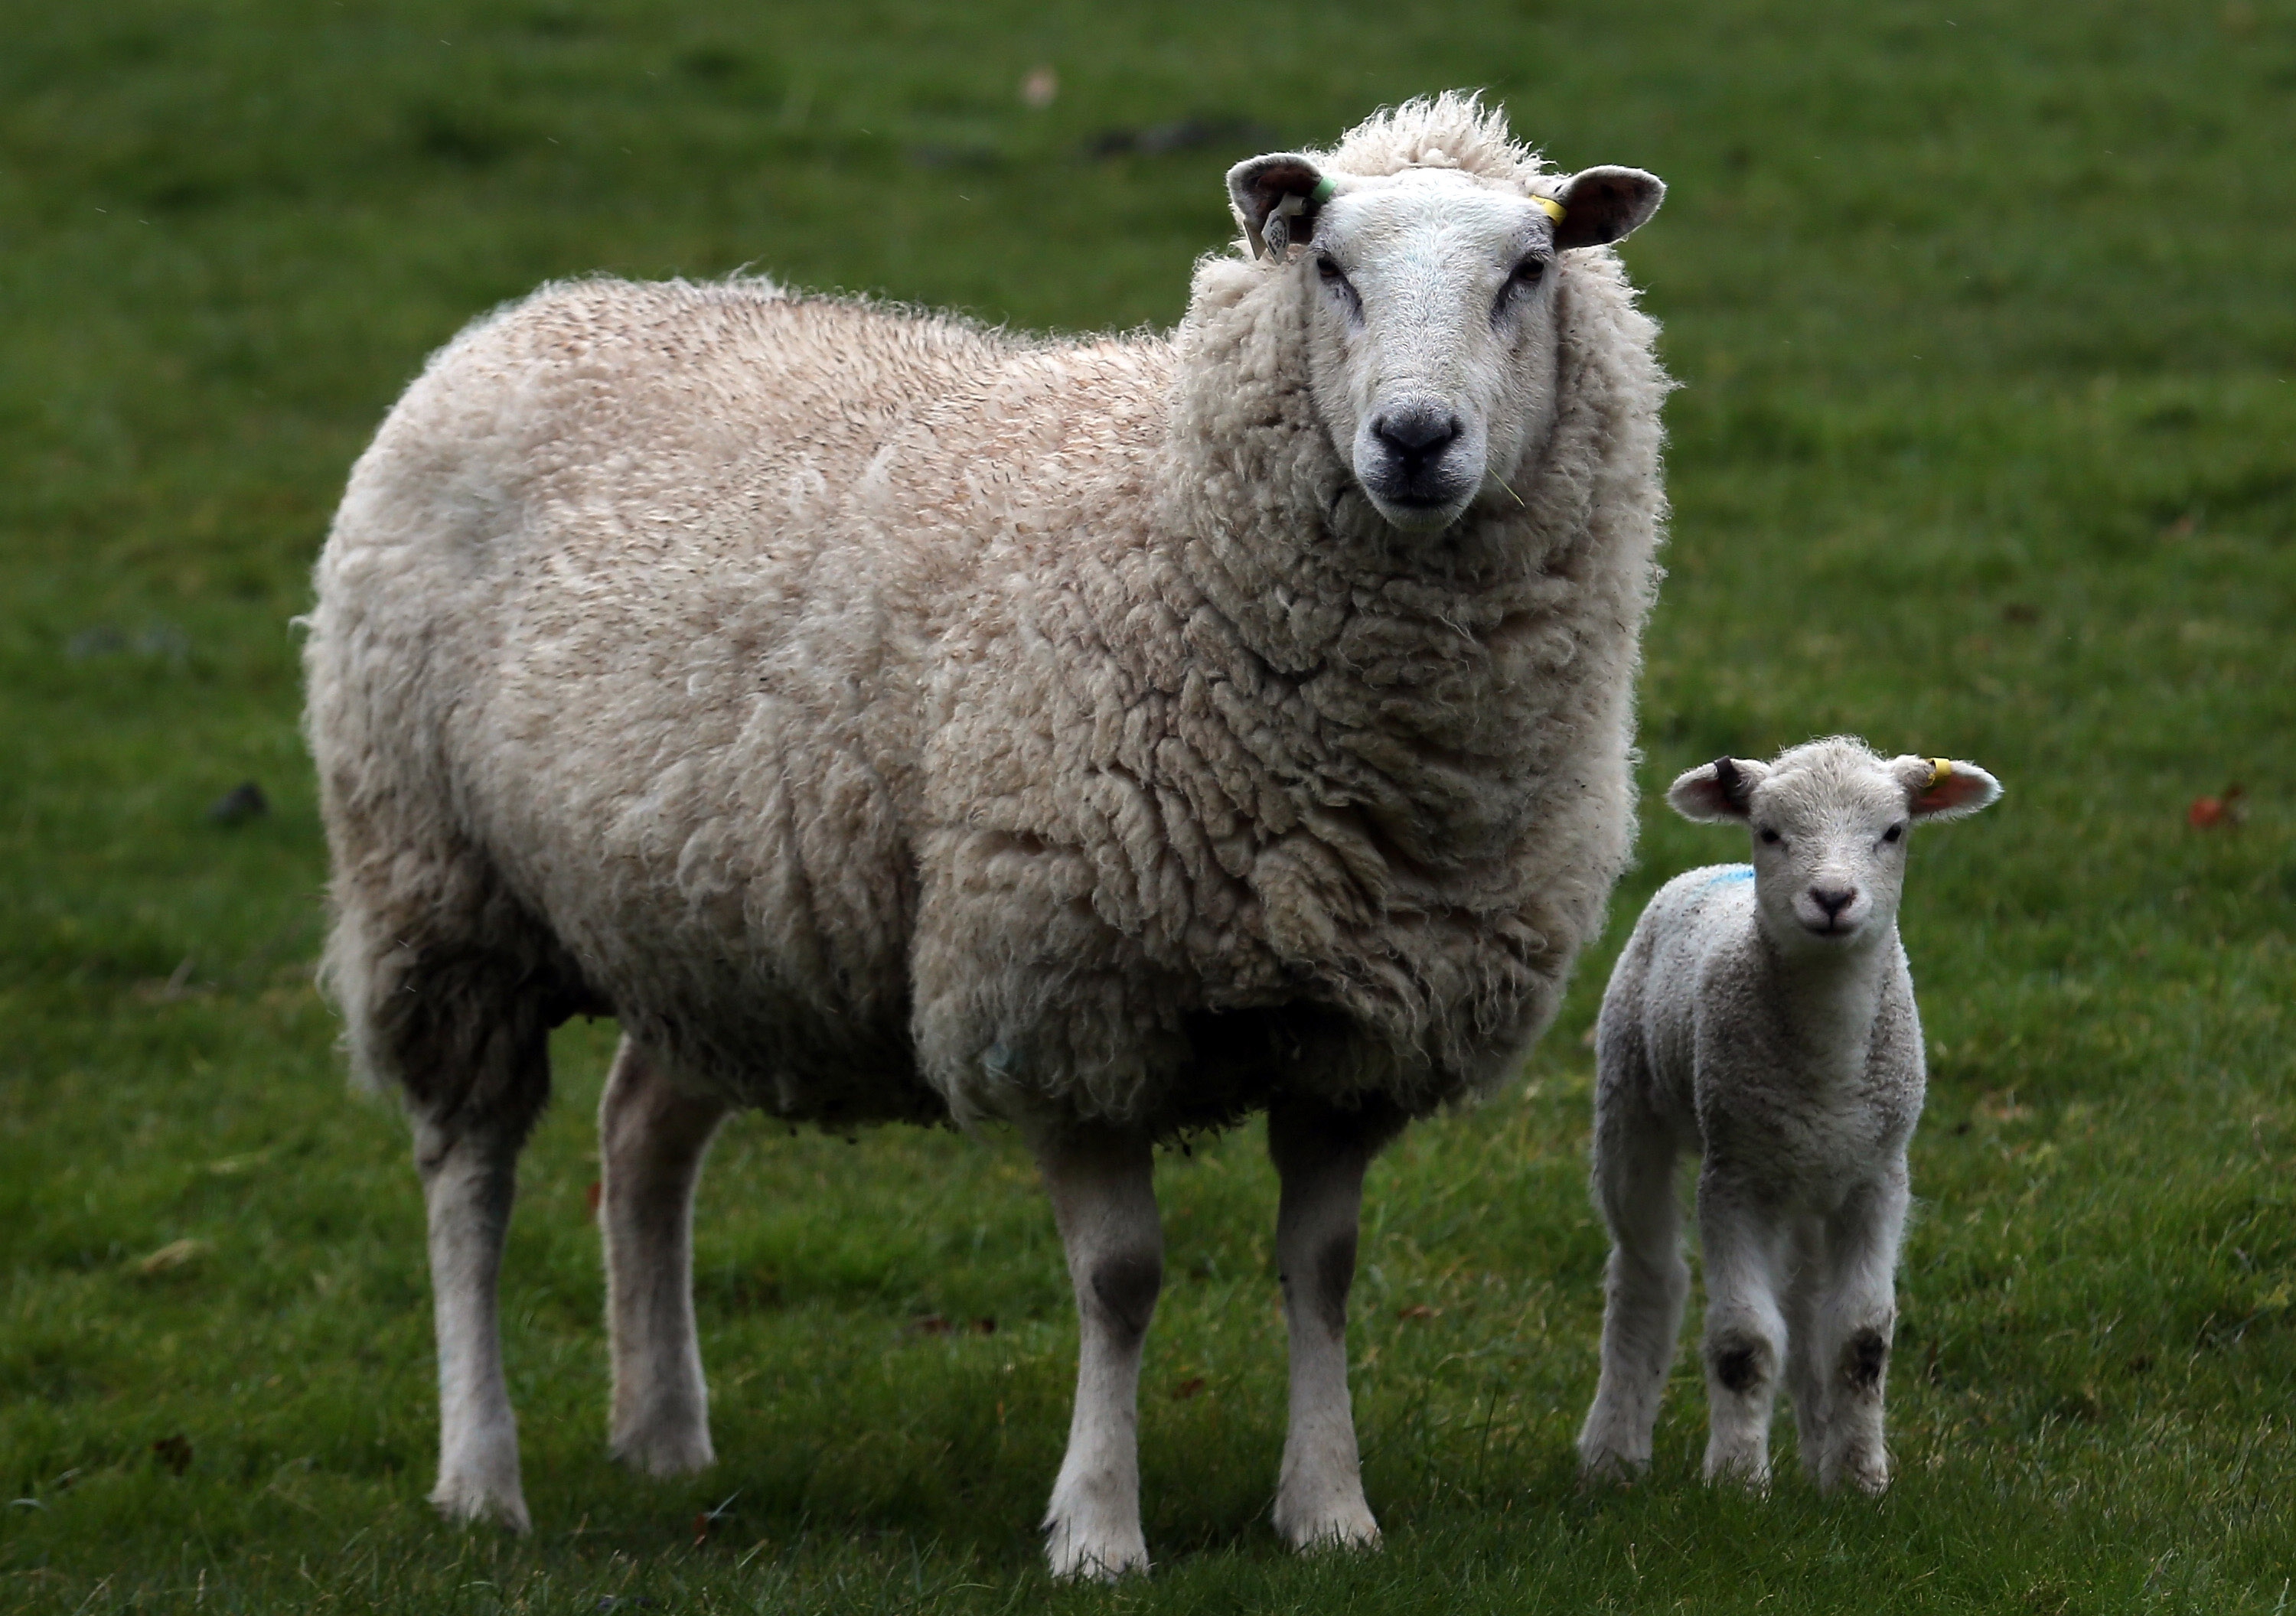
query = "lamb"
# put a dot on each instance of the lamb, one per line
(889, 718)
(1764, 1016)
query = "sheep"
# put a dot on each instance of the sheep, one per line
(889, 718)
(1763, 1014)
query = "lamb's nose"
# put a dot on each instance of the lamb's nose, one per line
(1833, 899)
(1416, 432)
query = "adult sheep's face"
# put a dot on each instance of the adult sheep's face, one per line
(1432, 314)
(1829, 823)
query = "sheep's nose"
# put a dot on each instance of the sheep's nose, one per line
(1833, 899)
(1416, 433)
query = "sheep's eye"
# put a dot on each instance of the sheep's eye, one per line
(1525, 278)
(1770, 838)
(1893, 833)
(1329, 268)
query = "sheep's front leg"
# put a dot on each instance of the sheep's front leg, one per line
(1643, 1290)
(651, 1141)
(1102, 1188)
(1856, 1320)
(1805, 1371)
(470, 1177)
(1745, 1331)
(1320, 1155)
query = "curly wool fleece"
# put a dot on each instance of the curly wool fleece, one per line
(890, 718)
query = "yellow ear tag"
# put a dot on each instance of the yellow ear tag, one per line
(1940, 771)
(1554, 209)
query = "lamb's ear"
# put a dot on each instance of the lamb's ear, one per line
(1606, 204)
(1717, 791)
(1277, 199)
(1944, 787)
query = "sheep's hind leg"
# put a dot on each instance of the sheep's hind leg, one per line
(1746, 1333)
(1320, 1155)
(1644, 1289)
(651, 1141)
(1102, 1190)
(469, 1172)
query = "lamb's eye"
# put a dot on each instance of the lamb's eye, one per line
(1529, 272)
(1329, 268)
(1770, 838)
(1893, 833)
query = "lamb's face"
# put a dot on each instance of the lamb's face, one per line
(1830, 848)
(1829, 821)
(1431, 315)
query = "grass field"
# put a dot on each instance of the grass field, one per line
(1987, 446)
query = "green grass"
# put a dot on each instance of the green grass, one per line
(1987, 446)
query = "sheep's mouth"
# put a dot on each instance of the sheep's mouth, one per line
(1416, 513)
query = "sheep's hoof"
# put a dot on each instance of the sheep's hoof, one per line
(1077, 1557)
(1343, 1531)
(1610, 1467)
(471, 1503)
(1746, 1474)
(1868, 1476)
(666, 1452)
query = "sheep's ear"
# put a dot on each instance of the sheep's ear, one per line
(1277, 200)
(1606, 204)
(1717, 791)
(1944, 787)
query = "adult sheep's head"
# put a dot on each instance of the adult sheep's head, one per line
(1429, 293)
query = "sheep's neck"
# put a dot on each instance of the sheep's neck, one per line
(1829, 1000)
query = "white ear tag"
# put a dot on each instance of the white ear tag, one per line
(1278, 228)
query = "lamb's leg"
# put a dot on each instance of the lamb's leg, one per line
(1806, 1373)
(651, 1141)
(1321, 1154)
(1101, 1184)
(470, 1174)
(1644, 1289)
(1856, 1319)
(1745, 1332)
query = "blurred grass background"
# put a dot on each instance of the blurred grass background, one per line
(1985, 447)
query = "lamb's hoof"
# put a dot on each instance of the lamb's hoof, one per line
(1868, 1476)
(665, 1450)
(470, 1501)
(1610, 1467)
(1346, 1528)
(1748, 1475)
(1079, 1556)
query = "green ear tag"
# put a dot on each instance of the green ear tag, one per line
(1325, 190)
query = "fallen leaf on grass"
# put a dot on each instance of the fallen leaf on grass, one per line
(2208, 813)
(593, 1196)
(175, 1452)
(1188, 1388)
(173, 1255)
(1418, 1309)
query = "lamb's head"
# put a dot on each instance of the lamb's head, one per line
(1430, 308)
(1829, 821)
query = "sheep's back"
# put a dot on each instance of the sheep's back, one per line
(595, 599)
